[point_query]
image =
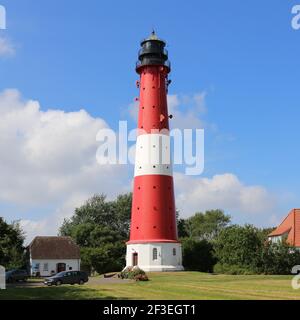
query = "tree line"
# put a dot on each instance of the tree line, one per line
(210, 242)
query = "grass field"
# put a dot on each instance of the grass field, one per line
(181, 285)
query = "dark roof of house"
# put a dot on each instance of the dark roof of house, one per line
(54, 248)
(291, 226)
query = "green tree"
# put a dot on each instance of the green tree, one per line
(239, 246)
(198, 255)
(114, 215)
(206, 225)
(245, 249)
(12, 251)
(277, 258)
(94, 235)
(109, 257)
(181, 228)
(101, 228)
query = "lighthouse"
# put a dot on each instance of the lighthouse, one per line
(153, 243)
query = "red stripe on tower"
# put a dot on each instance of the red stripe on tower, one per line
(153, 244)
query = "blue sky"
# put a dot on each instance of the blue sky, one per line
(71, 55)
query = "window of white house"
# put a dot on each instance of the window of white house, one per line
(37, 266)
(174, 251)
(154, 253)
(45, 266)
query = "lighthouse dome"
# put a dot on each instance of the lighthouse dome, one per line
(153, 52)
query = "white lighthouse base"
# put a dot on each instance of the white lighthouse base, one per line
(155, 256)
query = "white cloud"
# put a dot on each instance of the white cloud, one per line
(187, 110)
(225, 191)
(133, 110)
(6, 47)
(48, 225)
(49, 158)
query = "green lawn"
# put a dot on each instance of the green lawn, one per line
(180, 285)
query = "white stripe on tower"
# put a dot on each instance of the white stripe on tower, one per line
(153, 156)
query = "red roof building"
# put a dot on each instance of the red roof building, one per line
(288, 230)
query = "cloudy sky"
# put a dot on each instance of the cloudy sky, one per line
(67, 71)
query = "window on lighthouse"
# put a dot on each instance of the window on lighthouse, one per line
(174, 251)
(154, 254)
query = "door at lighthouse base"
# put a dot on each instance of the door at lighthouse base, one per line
(135, 259)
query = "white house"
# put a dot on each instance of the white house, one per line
(50, 255)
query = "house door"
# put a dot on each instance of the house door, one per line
(134, 259)
(61, 267)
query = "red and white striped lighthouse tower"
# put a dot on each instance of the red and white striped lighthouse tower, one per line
(153, 244)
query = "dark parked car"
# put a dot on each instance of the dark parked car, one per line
(16, 275)
(67, 277)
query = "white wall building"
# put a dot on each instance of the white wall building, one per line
(50, 255)
(156, 256)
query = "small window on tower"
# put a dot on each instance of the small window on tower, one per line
(174, 251)
(155, 254)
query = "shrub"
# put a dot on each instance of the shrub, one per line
(134, 273)
(141, 277)
(244, 250)
(278, 259)
(125, 273)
